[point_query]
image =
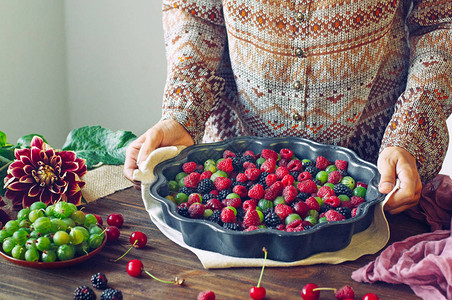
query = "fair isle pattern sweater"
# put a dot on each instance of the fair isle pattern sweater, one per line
(363, 74)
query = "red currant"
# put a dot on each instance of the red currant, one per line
(99, 220)
(308, 293)
(257, 293)
(134, 267)
(138, 239)
(115, 220)
(112, 233)
(370, 296)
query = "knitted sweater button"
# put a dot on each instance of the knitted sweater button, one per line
(300, 16)
(296, 117)
(299, 52)
(297, 85)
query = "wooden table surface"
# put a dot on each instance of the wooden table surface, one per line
(165, 259)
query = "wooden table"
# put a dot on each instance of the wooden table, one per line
(165, 259)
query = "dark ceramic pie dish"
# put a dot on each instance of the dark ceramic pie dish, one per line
(281, 245)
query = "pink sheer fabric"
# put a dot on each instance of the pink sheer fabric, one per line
(424, 261)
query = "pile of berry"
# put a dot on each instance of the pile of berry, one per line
(248, 191)
(51, 233)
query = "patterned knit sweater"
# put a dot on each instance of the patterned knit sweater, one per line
(363, 74)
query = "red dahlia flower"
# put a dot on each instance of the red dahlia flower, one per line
(40, 173)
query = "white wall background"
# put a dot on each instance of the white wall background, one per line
(67, 64)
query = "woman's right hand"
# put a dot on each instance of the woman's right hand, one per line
(164, 133)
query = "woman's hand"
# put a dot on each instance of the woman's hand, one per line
(164, 133)
(396, 162)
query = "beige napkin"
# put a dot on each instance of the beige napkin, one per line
(368, 241)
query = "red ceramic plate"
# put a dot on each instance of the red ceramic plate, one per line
(56, 264)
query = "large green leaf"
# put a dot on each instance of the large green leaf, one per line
(2, 139)
(99, 145)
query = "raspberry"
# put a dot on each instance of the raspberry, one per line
(289, 193)
(251, 218)
(334, 177)
(189, 167)
(301, 208)
(360, 183)
(333, 201)
(84, 293)
(295, 165)
(249, 153)
(268, 153)
(281, 172)
(214, 204)
(240, 190)
(227, 215)
(287, 180)
(304, 176)
(270, 194)
(228, 153)
(251, 228)
(256, 192)
(294, 224)
(241, 177)
(321, 162)
(234, 202)
(312, 203)
(278, 187)
(341, 164)
(196, 210)
(111, 294)
(286, 153)
(283, 162)
(307, 186)
(206, 295)
(194, 198)
(333, 215)
(353, 213)
(270, 179)
(99, 281)
(205, 174)
(345, 292)
(252, 173)
(347, 204)
(280, 227)
(192, 180)
(248, 165)
(249, 204)
(205, 186)
(283, 210)
(356, 200)
(222, 183)
(225, 165)
(325, 191)
(269, 166)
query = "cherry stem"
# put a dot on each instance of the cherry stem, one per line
(175, 281)
(128, 250)
(263, 266)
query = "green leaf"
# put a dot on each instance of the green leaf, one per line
(24, 141)
(2, 139)
(99, 145)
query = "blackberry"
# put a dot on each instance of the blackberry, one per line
(303, 196)
(248, 158)
(237, 162)
(342, 189)
(111, 294)
(84, 292)
(187, 191)
(313, 170)
(261, 179)
(205, 186)
(307, 164)
(207, 197)
(240, 214)
(307, 227)
(294, 174)
(222, 194)
(183, 211)
(272, 219)
(318, 182)
(343, 173)
(324, 208)
(292, 204)
(232, 226)
(345, 211)
(99, 281)
(216, 217)
(268, 210)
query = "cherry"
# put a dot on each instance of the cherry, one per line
(370, 296)
(258, 292)
(310, 292)
(99, 220)
(135, 267)
(115, 220)
(138, 240)
(112, 233)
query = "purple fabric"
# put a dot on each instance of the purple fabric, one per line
(424, 261)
